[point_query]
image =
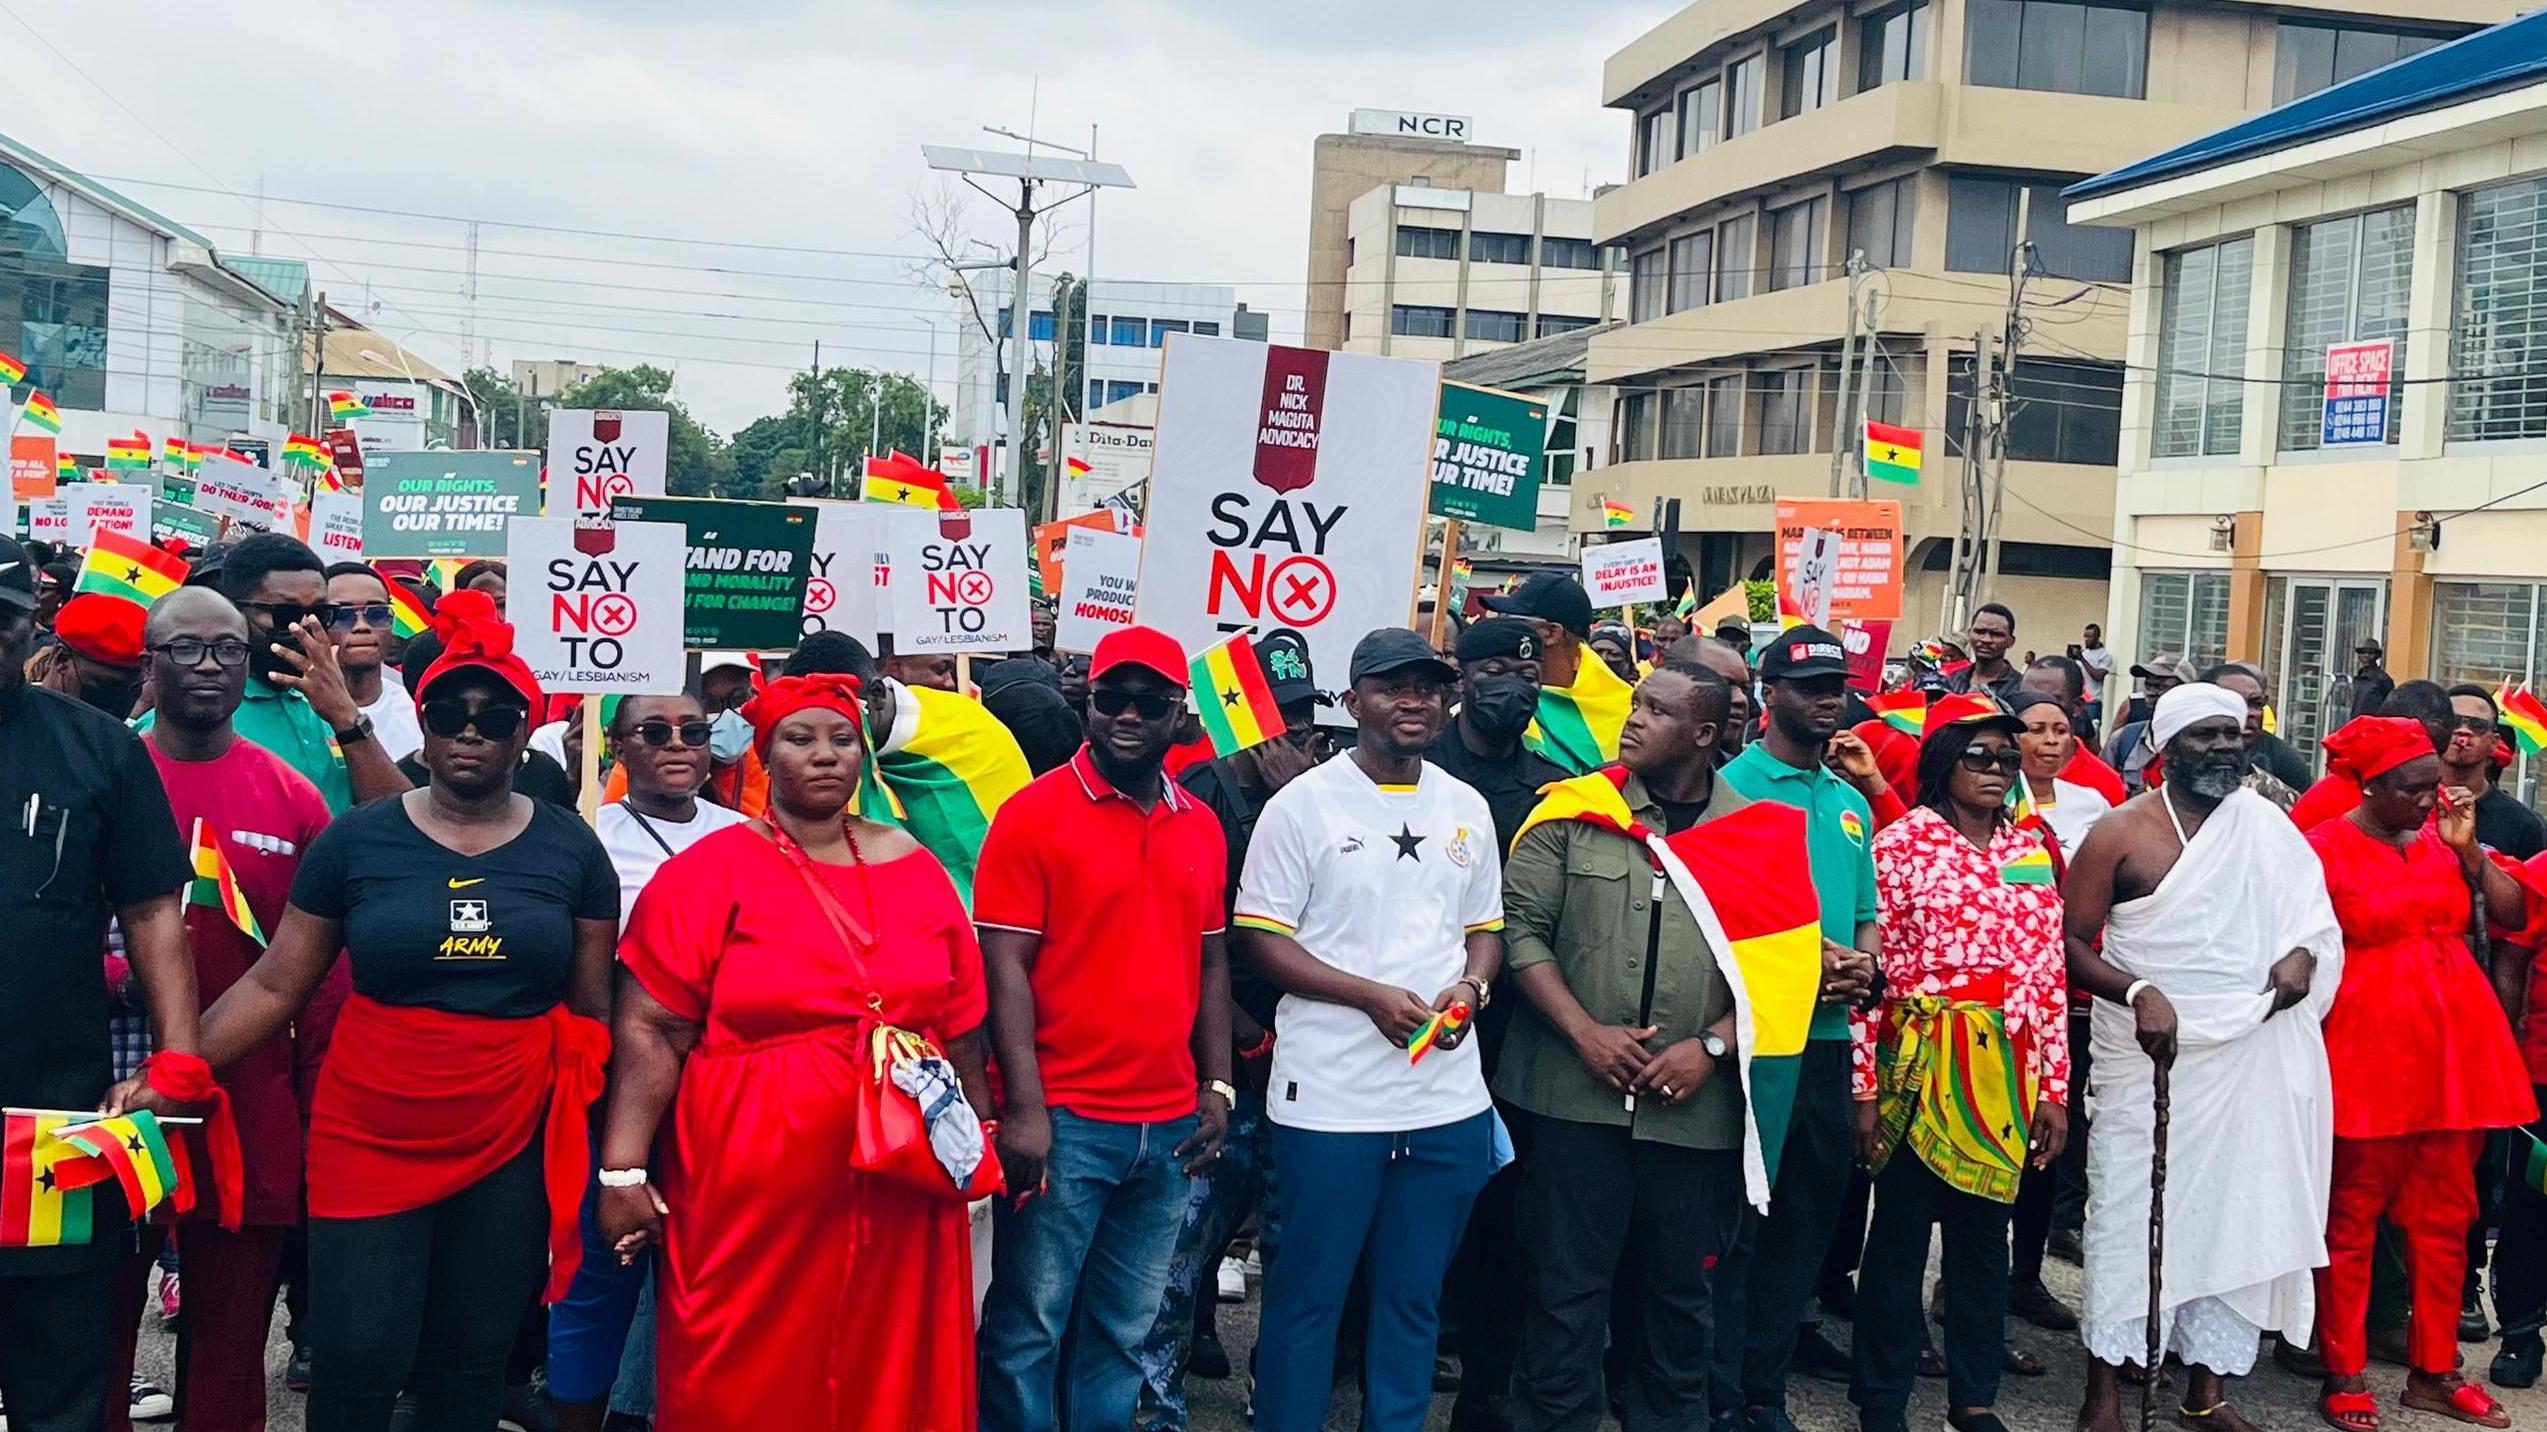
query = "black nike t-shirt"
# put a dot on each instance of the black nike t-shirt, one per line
(490, 934)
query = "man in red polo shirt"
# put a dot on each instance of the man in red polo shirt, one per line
(1100, 899)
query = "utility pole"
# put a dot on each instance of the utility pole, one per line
(318, 365)
(2020, 268)
(1848, 374)
(1865, 388)
(1968, 530)
(818, 417)
(469, 309)
(1019, 373)
(1062, 289)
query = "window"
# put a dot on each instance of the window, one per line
(1981, 231)
(1796, 245)
(1096, 392)
(1737, 257)
(1414, 241)
(1096, 328)
(2061, 411)
(2202, 350)
(1648, 275)
(2349, 281)
(1038, 325)
(1888, 388)
(999, 391)
(1568, 254)
(1693, 261)
(53, 317)
(1498, 325)
(1811, 75)
(1636, 427)
(1879, 219)
(2064, 45)
(1565, 429)
(1161, 327)
(1785, 397)
(2309, 57)
(1702, 116)
(1684, 421)
(2499, 314)
(1742, 96)
(1724, 416)
(1499, 248)
(1412, 320)
(2185, 612)
(1131, 332)
(1553, 323)
(1654, 141)
(1118, 389)
(1893, 46)
(1206, 328)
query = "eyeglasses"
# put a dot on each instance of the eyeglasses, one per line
(2479, 725)
(1153, 706)
(449, 716)
(187, 652)
(659, 732)
(285, 614)
(365, 614)
(1981, 760)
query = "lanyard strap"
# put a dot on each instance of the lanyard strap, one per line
(854, 936)
(648, 827)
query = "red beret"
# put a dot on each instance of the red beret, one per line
(475, 637)
(790, 694)
(102, 628)
(2369, 746)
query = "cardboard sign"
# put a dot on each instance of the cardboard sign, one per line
(1100, 576)
(1618, 573)
(841, 592)
(2357, 394)
(1488, 447)
(596, 457)
(49, 519)
(600, 620)
(31, 466)
(1053, 537)
(959, 584)
(1865, 582)
(1815, 573)
(242, 492)
(1102, 461)
(747, 566)
(198, 529)
(445, 504)
(109, 506)
(348, 452)
(336, 526)
(1867, 644)
(1288, 485)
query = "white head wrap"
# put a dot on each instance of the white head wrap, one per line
(2191, 702)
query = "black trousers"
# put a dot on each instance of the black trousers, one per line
(2030, 1223)
(1481, 1298)
(54, 1346)
(2520, 1257)
(1591, 1197)
(1766, 1277)
(426, 1301)
(1909, 1201)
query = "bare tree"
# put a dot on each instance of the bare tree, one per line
(938, 219)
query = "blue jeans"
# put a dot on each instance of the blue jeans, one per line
(588, 1328)
(1213, 1210)
(1084, 1261)
(1403, 1197)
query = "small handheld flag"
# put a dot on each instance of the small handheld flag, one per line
(127, 454)
(41, 415)
(44, 1181)
(903, 482)
(2526, 715)
(66, 468)
(1448, 1021)
(407, 618)
(12, 372)
(2034, 867)
(132, 1145)
(216, 887)
(1616, 514)
(2534, 1163)
(1075, 466)
(1234, 696)
(1904, 711)
(123, 566)
(1892, 453)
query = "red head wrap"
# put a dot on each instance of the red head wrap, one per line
(475, 637)
(102, 628)
(2369, 746)
(790, 694)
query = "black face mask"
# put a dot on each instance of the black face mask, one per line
(263, 663)
(1501, 707)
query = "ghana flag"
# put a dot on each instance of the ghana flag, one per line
(1735, 873)
(132, 1145)
(118, 565)
(130, 454)
(1892, 453)
(215, 887)
(2534, 1161)
(1904, 711)
(945, 770)
(346, 407)
(12, 372)
(407, 618)
(66, 468)
(41, 415)
(1578, 725)
(2527, 716)
(44, 1182)
(1234, 696)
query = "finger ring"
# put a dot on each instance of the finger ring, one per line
(1667, 1093)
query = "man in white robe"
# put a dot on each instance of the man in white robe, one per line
(2219, 956)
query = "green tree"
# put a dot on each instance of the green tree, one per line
(842, 416)
(696, 464)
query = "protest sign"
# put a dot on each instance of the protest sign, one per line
(595, 457)
(1487, 450)
(747, 566)
(1100, 461)
(49, 519)
(110, 506)
(1866, 643)
(1101, 571)
(1618, 573)
(348, 452)
(842, 590)
(1814, 573)
(32, 471)
(198, 529)
(445, 504)
(608, 619)
(1052, 537)
(959, 582)
(242, 492)
(1304, 475)
(1865, 581)
(336, 526)
(177, 489)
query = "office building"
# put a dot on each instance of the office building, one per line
(1128, 323)
(1381, 148)
(1442, 273)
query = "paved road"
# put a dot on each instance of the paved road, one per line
(2270, 1397)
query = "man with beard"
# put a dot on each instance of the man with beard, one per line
(1728, 661)
(2220, 955)
(1993, 631)
(2240, 681)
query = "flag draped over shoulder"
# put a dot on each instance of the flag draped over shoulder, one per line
(1743, 878)
(1578, 725)
(946, 769)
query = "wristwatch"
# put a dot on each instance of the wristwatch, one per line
(1227, 1091)
(1485, 988)
(359, 731)
(1714, 1044)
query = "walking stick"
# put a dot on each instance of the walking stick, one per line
(2157, 1247)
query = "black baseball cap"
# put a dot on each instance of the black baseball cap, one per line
(1803, 651)
(1499, 636)
(1395, 649)
(1551, 597)
(1285, 654)
(17, 576)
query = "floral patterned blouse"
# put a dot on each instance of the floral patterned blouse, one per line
(1948, 917)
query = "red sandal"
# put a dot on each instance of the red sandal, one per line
(2349, 1411)
(2465, 1402)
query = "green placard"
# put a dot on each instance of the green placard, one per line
(748, 566)
(180, 490)
(445, 504)
(1489, 448)
(167, 519)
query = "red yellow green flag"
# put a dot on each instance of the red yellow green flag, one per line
(1904, 711)
(1578, 725)
(407, 616)
(11, 371)
(123, 566)
(2526, 715)
(1892, 453)
(903, 482)
(217, 888)
(133, 1146)
(41, 415)
(945, 769)
(44, 1182)
(127, 454)
(1234, 696)
(345, 407)
(66, 468)
(1616, 514)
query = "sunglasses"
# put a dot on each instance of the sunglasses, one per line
(2477, 724)
(186, 651)
(659, 732)
(366, 614)
(286, 614)
(448, 717)
(1153, 706)
(1981, 760)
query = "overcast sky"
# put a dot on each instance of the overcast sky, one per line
(773, 122)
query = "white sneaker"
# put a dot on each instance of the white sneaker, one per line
(151, 1402)
(1256, 1263)
(1232, 1281)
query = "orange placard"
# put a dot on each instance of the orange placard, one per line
(31, 459)
(1866, 585)
(1051, 537)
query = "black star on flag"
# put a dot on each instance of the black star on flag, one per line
(45, 1180)
(1230, 698)
(1406, 840)
(132, 572)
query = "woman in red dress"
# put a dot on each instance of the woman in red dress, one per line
(2422, 1058)
(788, 1280)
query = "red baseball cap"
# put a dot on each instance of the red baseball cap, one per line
(1145, 647)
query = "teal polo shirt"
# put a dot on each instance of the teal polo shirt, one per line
(1839, 835)
(282, 722)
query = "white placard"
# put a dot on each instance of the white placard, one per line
(1102, 461)
(1100, 573)
(1817, 557)
(1287, 489)
(240, 491)
(49, 518)
(1617, 573)
(336, 526)
(959, 584)
(113, 506)
(594, 456)
(842, 594)
(602, 620)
